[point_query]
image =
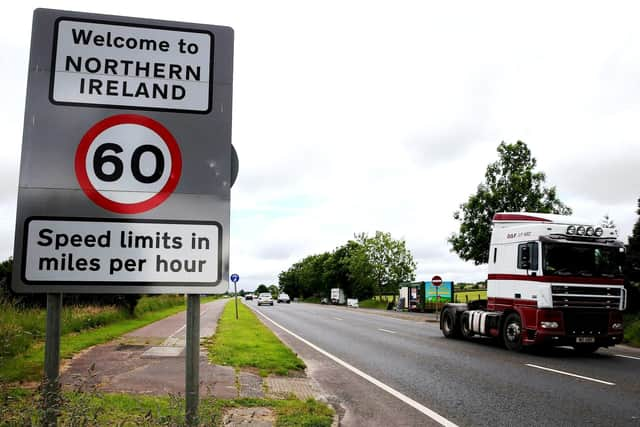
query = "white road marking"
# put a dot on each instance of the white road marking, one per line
(338, 318)
(386, 330)
(570, 374)
(428, 412)
(628, 357)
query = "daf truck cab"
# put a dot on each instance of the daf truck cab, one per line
(552, 280)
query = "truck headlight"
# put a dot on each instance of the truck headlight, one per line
(549, 325)
(616, 326)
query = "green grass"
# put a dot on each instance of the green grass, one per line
(247, 343)
(21, 407)
(27, 364)
(632, 329)
(374, 303)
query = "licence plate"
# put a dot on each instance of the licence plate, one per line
(585, 340)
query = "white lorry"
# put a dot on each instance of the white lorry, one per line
(553, 280)
(337, 296)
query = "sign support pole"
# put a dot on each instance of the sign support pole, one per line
(51, 389)
(235, 289)
(192, 380)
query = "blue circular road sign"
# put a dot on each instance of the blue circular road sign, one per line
(235, 278)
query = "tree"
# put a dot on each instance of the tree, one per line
(262, 288)
(511, 185)
(632, 266)
(383, 261)
(274, 291)
(607, 222)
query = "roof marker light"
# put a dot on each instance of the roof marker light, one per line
(589, 231)
(580, 230)
(598, 231)
(571, 229)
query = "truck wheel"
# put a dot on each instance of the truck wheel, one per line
(448, 324)
(585, 348)
(465, 331)
(512, 332)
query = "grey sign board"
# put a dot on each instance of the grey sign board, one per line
(126, 157)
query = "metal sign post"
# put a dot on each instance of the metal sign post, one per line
(192, 371)
(51, 391)
(234, 279)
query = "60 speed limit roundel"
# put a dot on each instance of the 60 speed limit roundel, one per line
(128, 163)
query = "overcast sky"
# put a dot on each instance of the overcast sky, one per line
(362, 116)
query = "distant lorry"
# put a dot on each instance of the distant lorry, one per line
(553, 280)
(337, 296)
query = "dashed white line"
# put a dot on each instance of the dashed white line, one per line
(338, 318)
(386, 330)
(406, 399)
(628, 357)
(570, 374)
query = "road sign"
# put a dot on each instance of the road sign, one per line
(235, 278)
(436, 280)
(119, 192)
(128, 163)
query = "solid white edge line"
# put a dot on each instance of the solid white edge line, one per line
(570, 374)
(386, 330)
(628, 357)
(428, 412)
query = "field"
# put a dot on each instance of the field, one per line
(468, 296)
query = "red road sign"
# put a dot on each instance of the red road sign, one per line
(128, 163)
(436, 280)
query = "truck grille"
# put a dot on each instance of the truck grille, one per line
(573, 296)
(578, 323)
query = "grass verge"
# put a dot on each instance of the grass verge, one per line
(374, 303)
(28, 364)
(21, 407)
(632, 329)
(247, 343)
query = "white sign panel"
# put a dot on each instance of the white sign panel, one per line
(122, 251)
(132, 66)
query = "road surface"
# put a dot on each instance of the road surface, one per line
(393, 372)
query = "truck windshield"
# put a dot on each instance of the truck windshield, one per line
(565, 259)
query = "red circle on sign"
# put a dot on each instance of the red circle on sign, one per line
(112, 205)
(436, 280)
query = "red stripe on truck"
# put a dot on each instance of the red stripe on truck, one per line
(559, 279)
(517, 217)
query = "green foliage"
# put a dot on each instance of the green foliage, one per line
(20, 407)
(22, 331)
(374, 303)
(511, 185)
(389, 261)
(632, 266)
(362, 267)
(632, 329)
(247, 343)
(261, 289)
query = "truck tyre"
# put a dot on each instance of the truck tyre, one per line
(448, 324)
(465, 331)
(512, 332)
(585, 348)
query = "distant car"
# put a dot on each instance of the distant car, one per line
(248, 297)
(284, 298)
(265, 299)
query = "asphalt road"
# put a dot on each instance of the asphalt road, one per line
(465, 382)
